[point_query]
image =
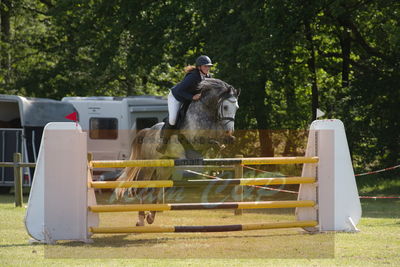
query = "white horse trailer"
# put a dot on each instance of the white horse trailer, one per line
(111, 123)
(22, 120)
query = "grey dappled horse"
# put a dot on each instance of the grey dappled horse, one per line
(209, 122)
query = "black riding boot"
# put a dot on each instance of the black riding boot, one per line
(166, 132)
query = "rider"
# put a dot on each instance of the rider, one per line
(183, 93)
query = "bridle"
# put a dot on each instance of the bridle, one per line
(220, 108)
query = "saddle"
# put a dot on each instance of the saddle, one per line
(181, 116)
(189, 150)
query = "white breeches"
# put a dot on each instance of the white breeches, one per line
(173, 108)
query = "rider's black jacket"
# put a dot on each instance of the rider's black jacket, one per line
(187, 88)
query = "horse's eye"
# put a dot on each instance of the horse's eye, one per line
(225, 107)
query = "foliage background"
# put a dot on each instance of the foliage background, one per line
(288, 57)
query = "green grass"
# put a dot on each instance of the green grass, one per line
(377, 244)
(380, 187)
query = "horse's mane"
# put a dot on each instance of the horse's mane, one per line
(214, 88)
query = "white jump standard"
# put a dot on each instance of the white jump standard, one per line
(62, 203)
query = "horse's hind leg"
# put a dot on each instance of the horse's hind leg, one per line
(148, 194)
(159, 194)
(141, 217)
(150, 217)
(142, 214)
(143, 193)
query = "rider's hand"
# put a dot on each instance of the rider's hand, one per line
(196, 97)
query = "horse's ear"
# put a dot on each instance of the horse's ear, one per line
(235, 91)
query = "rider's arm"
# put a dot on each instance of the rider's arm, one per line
(187, 87)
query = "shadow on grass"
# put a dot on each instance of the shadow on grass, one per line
(119, 240)
(393, 190)
(8, 198)
(215, 246)
(19, 245)
(380, 208)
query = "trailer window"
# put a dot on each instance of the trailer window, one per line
(142, 123)
(103, 128)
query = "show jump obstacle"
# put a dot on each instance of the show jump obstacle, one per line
(62, 203)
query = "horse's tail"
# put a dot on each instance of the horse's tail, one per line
(132, 173)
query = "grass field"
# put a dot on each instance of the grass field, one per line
(377, 244)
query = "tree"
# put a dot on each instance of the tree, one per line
(288, 57)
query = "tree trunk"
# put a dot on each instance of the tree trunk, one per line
(5, 15)
(345, 43)
(260, 112)
(313, 72)
(130, 85)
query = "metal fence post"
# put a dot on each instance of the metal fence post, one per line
(239, 188)
(18, 180)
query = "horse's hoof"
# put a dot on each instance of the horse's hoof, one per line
(150, 219)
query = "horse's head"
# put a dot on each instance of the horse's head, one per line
(222, 98)
(226, 110)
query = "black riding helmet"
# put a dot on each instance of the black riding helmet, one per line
(203, 60)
